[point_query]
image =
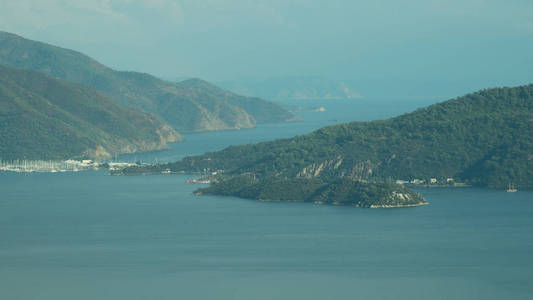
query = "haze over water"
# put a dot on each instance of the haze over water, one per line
(91, 236)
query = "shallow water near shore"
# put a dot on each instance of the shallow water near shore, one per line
(87, 235)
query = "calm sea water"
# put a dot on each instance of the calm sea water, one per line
(91, 236)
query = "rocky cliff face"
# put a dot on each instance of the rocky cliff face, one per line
(339, 168)
(399, 199)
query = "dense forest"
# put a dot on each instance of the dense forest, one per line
(342, 191)
(483, 138)
(46, 118)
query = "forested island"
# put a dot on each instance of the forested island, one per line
(482, 139)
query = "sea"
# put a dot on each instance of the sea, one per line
(88, 235)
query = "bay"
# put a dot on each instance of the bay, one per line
(88, 235)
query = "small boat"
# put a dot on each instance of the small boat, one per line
(511, 188)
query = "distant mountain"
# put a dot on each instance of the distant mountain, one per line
(191, 105)
(484, 138)
(220, 109)
(46, 118)
(292, 88)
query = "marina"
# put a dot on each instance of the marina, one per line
(51, 166)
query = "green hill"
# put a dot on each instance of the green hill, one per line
(342, 191)
(46, 118)
(483, 138)
(192, 105)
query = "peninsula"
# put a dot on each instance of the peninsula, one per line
(482, 139)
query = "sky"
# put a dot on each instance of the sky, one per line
(415, 48)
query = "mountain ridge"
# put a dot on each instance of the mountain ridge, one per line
(185, 108)
(482, 138)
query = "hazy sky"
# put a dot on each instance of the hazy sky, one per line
(462, 44)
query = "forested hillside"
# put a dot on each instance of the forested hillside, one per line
(46, 118)
(192, 105)
(483, 138)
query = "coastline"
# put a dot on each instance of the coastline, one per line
(334, 203)
(41, 166)
(399, 206)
